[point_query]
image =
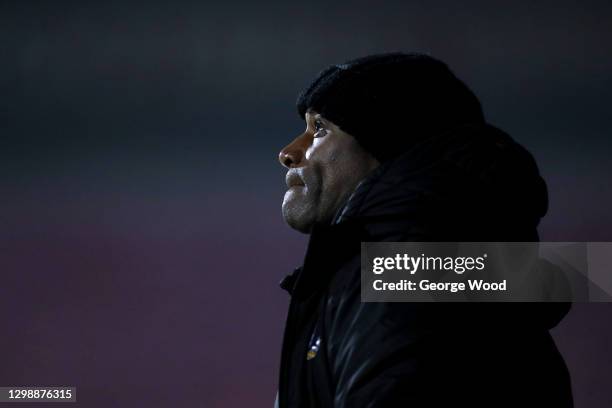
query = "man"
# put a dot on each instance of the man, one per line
(396, 148)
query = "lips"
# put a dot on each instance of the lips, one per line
(293, 179)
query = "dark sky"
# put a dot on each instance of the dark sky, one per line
(141, 240)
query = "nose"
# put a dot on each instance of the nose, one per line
(294, 153)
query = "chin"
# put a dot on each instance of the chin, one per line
(304, 228)
(298, 223)
(298, 219)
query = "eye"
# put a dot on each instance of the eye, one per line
(319, 129)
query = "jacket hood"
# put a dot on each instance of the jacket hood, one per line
(473, 183)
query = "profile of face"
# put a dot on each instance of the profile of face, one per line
(324, 164)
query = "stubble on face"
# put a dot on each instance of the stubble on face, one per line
(301, 202)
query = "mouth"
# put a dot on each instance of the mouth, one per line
(293, 180)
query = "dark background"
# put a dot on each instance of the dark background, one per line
(141, 240)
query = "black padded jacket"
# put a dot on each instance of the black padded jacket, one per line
(471, 184)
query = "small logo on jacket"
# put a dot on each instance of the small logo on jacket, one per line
(314, 348)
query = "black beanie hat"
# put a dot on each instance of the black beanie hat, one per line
(388, 102)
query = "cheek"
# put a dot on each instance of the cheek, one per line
(324, 152)
(336, 177)
(346, 169)
(321, 157)
(335, 166)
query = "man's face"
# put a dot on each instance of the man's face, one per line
(325, 165)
